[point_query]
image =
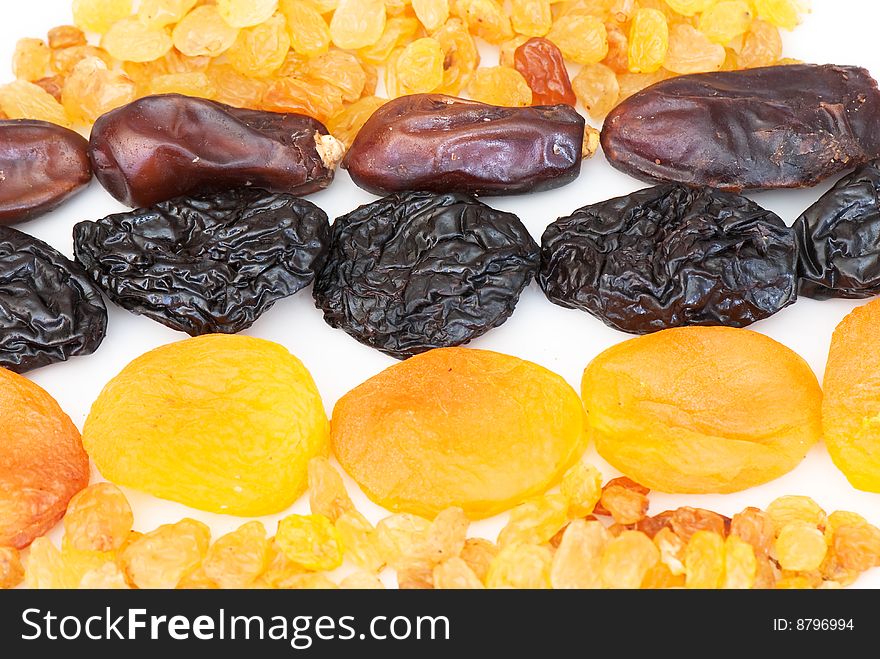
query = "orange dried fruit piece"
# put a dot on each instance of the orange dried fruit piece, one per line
(246, 405)
(92, 89)
(162, 558)
(31, 59)
(65, 36)
(535, 521)
(478, 554)
(792, 508)
(459, 427)
(327, 494)
(704, 560)
(11, 569)
(625, 505)
(582, 488)
(740, 564)
(42, 461)
(726, 20)
(690, 51)
(486, 19)
(162, 13)
(702, 409)
(259, 51)
(308, 31)
(648, 41)
(851, 407)
(582, 39)
(432, 14)
(98, 518)
(310, 541)
(800, 547)
(417, 69)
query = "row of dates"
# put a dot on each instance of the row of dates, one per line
(221, 236)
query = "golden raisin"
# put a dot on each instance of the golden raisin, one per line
(626, 506)
(755, 527)
(857, 547)
(740, 564)
(162, 558)
(11, 569)
(347, 124)
(31, 60)
(531, 17)
(690, 51)
(535, 521)
(627, 559)
(582, 39)
(455, 574)
(648, 41)
(578, 559)
(460, 56)
(236, 559)
(361, 581)
(782, 13)
(132, 41)
(204, 32)
(98, 518)
(195, 83)
(725, 20)
(99, 15)
(246, 13)
(596, 87)
(327, 493)
(310, 541)
(432, 14)
(672, 549)
(399, 30)
(500, 85)
(791, 508)
(92, 89)
(66, 36)
(357, 23)
(762, 46)
(478, 554)
(259, 51)
(308, 31)
(397, 536)
(486, 19)
(417, 69)
(686, 521)
(25, 100)
(520, 566)
(162, 13)
(689, 7)
(704, 560)
(800, 546)
(582, 488)
(360, 541)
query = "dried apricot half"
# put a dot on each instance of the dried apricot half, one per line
(42, 461)
(222, 423)
(851, 408)
(457, 427)
(702, 409)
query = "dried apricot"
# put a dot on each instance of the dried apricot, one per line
(702, 409)
(244, 404)
(458, 427)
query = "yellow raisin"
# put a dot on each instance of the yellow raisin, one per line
(627, 559)
(310, 541)
(106, 577)
(279, 568)
(31, 60)
(25, 100)
(340, 69)
(399, 30)
(648, 41)
(740, 565)
(445, 537)
(306, 95)
(578, 559)
(64, 60)
(725, 20)
(432, 14)
(357, 23)
(478, 554)
(617, 58)
(132, 41)
(92, 89)
(204, 32)
(246, 13)
(66, 36)
(582, 39)
(597, 88)
(360, 541)
(704, 560)
(520, 566)
(308, 31)
(800, 546)
(397, 535)
(327, 493)
(582, 488)
(689, 7)
(346, 124)
(755, 527)
(233, 88)
(857, 548)
(194, 83)
(98, 518)
(792, 508)
(417, 69)
(535, 521)
(162, 558)
(307, 582)
(236, 559)
(690, 51)
(660, 576)
(361, 580)
(672, 550)
(841, 518)
(11, 569)
(162, 13)
(44, 569)
(531, 17)
(625, 505)
(99, 15)
(259, 51)
(762, 46)
(486, 19)
(500, 85)
(507, 50)
(455, 574)
(460, 56)
(782, 13)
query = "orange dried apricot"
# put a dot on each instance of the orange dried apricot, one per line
(702, 409)
(245, 406)
(458, 427)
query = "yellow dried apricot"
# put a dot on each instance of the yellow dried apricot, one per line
(458, 427)
(702, 409)
(246, 405)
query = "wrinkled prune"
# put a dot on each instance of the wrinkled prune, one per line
(670, 256)
(50, 310)
(41, 165)
(208, 264)
(161, 147)
(417, 271)
(774, 127)
(839, 239)
(446, 144)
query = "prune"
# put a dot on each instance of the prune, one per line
(207, 264)
(50, 310)
(41, 165)
(670, 256)
(161, 147)
(442, 144)
(418, 270)
(839, 239)
(774, 127)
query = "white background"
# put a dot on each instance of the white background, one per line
(837, 31)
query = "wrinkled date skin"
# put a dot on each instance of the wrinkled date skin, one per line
(41, 165)
(208, 264)
(839, 239)
(774, 127)
(50, 310)
(420, 270)
(161, 147)
(445, 144)
(542, 64)
(671, 256)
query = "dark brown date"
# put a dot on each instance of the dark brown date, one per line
(439, 143)
(161, 147)
(41, 165)
(774, 127)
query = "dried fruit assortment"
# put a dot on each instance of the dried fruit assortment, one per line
(776, 127)
(419, 270)
(670, 256)
(229, 257)
(702, 409)
(246, 405)
(302, 56)
(42, 165)
(443, 144)
(793, 544)
(50, 310)
(457, 427)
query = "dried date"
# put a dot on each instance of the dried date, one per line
(161, 147)
(41, 165)
(671, 256)
(445, 144)
(420, 270)
(50, 310)
(839, 239)
(207, 264)
(774, 127)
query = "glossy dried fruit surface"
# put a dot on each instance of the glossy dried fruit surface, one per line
(648, 41)
(310, 541)
(442, 144)
(671, 256)
(132, 41)
(203, 31)
(774, 127)
(162, 558)
(702, 409)
(99, 15)
(50, 310)
(852, 398)
(208, 264)
(418, 270)
(25, 100)
(43, 165)
(42, 462)
(357, 23)
(245, 404)
(500, 86)
(458, 427)
(98, 518)
(542, 65)
(144, 152)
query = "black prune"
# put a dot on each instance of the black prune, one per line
(160, 147)
(670, 256)
(420, 270)
(41, 165)
(839, 239)
(774, 127)
(446, 144)
(50, 310)
(207, 264)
